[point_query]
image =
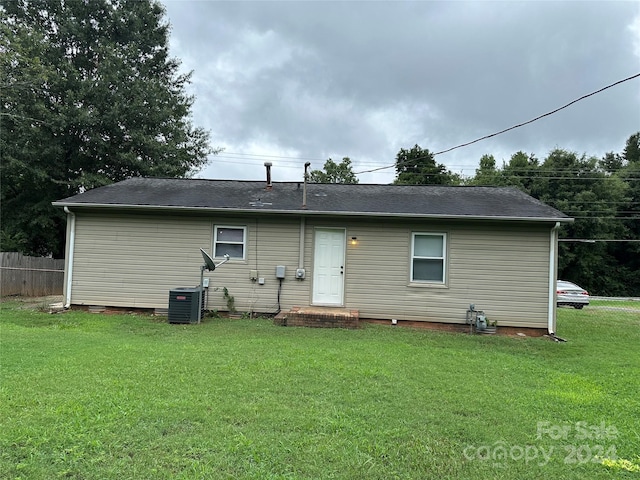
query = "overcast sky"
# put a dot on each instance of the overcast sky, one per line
(290, 82)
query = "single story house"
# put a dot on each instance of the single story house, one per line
(391, 252)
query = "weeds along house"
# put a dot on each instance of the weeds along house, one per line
(418, 253)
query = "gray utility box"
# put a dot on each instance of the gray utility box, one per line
(183, 304)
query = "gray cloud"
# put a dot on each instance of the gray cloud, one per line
(364, 79)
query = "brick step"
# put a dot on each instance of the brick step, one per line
(319, 317)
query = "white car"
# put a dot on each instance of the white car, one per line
(571, 295)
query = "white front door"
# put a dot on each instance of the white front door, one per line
(328, 266)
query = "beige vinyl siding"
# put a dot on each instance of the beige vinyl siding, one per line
(133, 260)
(270, 242)
(502, 269)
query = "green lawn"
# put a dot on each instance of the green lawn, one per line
(90, 396)
(635, 305)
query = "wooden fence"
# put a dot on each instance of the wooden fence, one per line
(30, 276)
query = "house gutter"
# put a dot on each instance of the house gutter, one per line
(553, 255)
(253, 211)
(72, 242)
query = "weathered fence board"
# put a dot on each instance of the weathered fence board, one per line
(30, 276)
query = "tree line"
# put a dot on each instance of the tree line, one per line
(600, 250)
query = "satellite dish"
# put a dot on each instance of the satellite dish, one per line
(208, 261)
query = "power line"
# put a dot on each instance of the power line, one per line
(252, 163)
(534, 177)
(605, 217)
(274, 156)
(515, 126)
(578, 202)
(237, 161)
(543, 115)
(611, 211)
(589, 240)
(257, 157)
(291, 162)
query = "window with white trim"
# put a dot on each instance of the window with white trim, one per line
(230, 241)
(428, 254)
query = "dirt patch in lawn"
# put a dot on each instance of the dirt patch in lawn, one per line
(45, 303)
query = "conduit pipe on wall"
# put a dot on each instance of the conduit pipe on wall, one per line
(301, 256)
(72, 241)
(553, 267)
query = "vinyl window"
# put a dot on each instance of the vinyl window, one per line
(428, 257)
(230, 240)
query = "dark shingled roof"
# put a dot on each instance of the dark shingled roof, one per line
(287, 197)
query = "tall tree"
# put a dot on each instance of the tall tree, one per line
(418, 166)
(632, 149)
(335, 172)
(611, 162)
(627, 251)
(575, 185)
(89, 96)
(487, 173)
(521, 171)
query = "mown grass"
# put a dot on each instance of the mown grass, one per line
(112, 397)
(627, 304)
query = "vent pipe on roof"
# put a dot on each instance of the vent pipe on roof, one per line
(304, 188)
(268, 166)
